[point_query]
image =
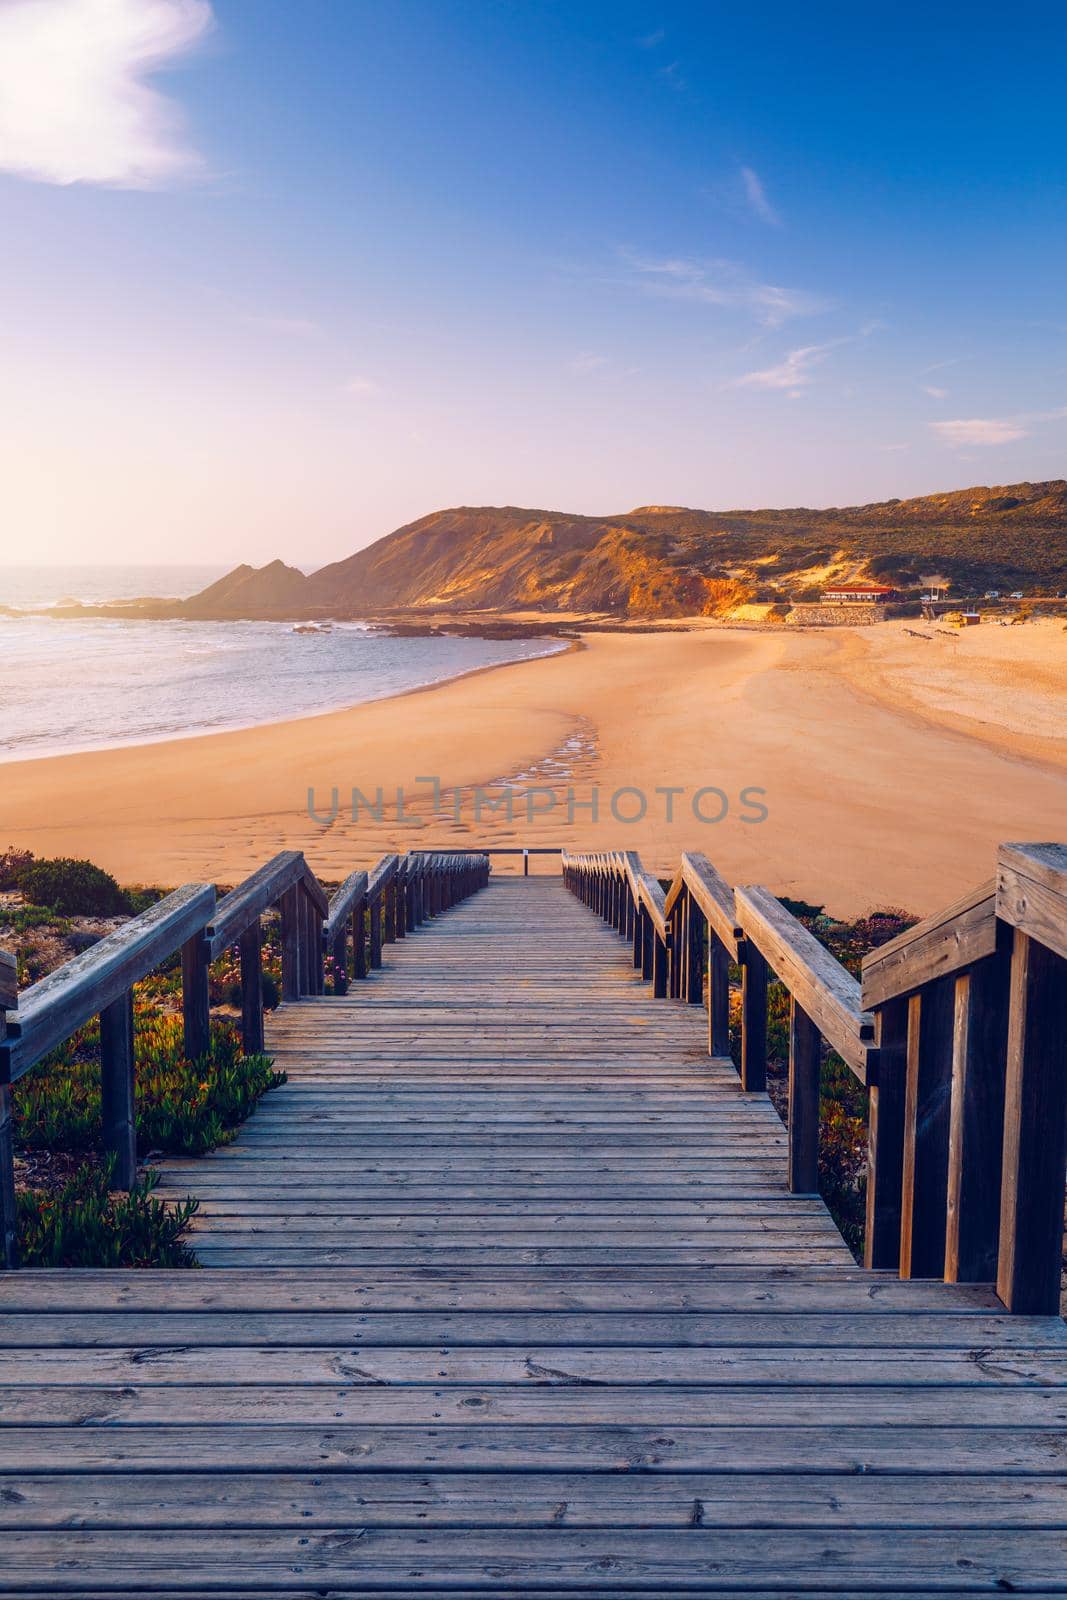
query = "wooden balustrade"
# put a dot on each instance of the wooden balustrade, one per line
(958, 1030)
(393, 899)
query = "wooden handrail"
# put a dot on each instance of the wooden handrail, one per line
(957, 1028)
(829, 994)
(943, 944)
(55, 1007)
(394, 897)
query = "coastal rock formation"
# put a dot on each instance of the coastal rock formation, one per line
(661, 561)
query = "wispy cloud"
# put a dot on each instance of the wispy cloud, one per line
(979, 430)
(585, 362)
(649, 41)
(794, 373)
(993, 430)
(671, 75)
(934, 392)
(756, 195)
(360, 385)
(75, 103)
(725, 283)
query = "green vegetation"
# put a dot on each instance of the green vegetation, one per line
(72, 888)
(83, 1224)
(183, 1107)
(67, 1215)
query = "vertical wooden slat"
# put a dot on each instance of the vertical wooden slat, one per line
(660, 957)
(696, 925)
(805, 1060)
(389, 907)
(307, 977)
(718, 996)
(976, 1124)
(9, 1254)
(196, 1002)
(250, 948)
(291, 918)
(375, 908)
(753, 1018)
(885, 1138)
(117, 1093)
(927, 1101)
(359, 937)
(1035, 1131)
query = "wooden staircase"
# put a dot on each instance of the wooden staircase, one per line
(507, 1293)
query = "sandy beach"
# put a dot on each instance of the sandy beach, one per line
(889, 767)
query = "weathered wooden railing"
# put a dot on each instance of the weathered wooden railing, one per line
(958, 1029)
(399, 894)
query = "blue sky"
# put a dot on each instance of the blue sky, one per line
(279, 277)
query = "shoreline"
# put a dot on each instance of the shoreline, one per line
(8, 759)
(869, 804)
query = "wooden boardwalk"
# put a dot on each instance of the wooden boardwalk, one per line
(505, 1294)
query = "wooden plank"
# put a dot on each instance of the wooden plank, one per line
(753, 1019)
(1035, 1130)
(780, 1369)
(530, 1500)
(805, 1061)
(861, 1450)
(976, 1130)
(924, 1188)
(668, 1406)
(281, 1329)
(118, 1110)
(352, 1560)
(885, 1138)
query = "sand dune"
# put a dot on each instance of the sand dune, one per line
(888, 776)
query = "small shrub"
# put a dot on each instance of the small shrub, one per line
(12, 862)
(84, 1224)
(72, 888)
(24, 919)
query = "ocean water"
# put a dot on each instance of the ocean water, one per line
(83, 685)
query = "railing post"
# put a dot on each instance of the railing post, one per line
(924, 1191)
(660, 958)
(359, 937)
(976, 1125)
(9, 1252)
(805, 1060)
(339, 956)
(676, 951)
(117, 1091)
(885, 1138)
(389, 898)
(196, 1002)
(250, 948)
(400, 908)
(375, 906)
(753, 1018)
(1035, 1131)
(696, 923)
(291, 940)
(637, 930)
(718, 996)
